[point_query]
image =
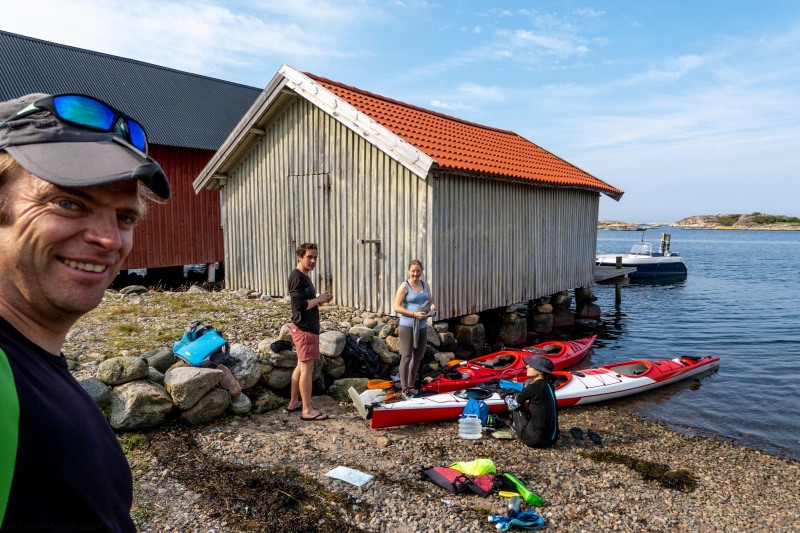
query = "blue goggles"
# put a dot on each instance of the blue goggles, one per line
(90, 113)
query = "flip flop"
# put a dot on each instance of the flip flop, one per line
(577, 433)
(320, 416)
(594, 437)
(293, 409)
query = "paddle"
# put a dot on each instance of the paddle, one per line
(380, 384)
(388, 383)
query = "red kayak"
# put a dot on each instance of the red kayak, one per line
(575, 388)
(508, 364)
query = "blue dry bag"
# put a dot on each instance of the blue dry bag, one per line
(477, 408)
(201, 343)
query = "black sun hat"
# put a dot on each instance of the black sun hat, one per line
(540, 363)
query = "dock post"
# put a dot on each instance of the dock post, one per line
(618, 286)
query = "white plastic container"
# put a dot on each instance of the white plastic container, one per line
(469, 427)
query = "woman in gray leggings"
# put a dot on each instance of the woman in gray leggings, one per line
(408, 302)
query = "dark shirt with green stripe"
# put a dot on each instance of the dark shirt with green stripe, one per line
(61, 466)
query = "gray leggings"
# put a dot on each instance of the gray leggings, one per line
(410, 359)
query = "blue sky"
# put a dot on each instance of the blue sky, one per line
(690, 106)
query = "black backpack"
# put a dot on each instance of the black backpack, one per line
(359, 356)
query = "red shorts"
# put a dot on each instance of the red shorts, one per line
(305, 343)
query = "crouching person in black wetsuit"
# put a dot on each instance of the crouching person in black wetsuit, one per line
(535, 416)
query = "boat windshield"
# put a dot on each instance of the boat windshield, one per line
(641, 248)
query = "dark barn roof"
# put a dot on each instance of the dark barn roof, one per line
(176, 108)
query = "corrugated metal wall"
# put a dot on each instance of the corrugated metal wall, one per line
(186, 230)
(497, 243)
(311, 179)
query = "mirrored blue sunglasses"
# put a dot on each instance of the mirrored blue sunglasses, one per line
(90, 113)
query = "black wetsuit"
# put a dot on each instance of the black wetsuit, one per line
(537, 424)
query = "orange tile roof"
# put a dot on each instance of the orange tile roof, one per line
(456, 144)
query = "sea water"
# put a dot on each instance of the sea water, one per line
(740, 301)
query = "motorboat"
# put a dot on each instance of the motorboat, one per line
(649, 264)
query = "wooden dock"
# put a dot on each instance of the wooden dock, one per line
(617, 275)
(608, 273)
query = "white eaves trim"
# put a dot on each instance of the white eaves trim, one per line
(404, 153)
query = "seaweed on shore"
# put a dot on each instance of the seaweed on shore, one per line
(250, 498)
(682, 480)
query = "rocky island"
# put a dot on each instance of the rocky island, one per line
(732, 221)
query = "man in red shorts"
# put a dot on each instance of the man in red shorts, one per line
(305, 331)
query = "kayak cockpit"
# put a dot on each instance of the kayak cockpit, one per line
(501, 361)
(632, 369)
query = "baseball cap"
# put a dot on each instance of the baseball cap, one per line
(540, 363)
(69, 155)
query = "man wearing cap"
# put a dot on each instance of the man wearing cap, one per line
(71, 170)
(534, 416)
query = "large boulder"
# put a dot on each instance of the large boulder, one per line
(587, 309)
(563, 317)
(267, 401)
(121, 370)
(386, 355)
(138, 405)
(246, 367)
(470, 320)
(161, 359)
(543, 323)
(284, 359)
(393, 343)
(513, 334)
(338, 390)
(433, 337)
(584, 294)
(276, 377)
(208, 408)
(362, 332)
(470, 337)
(188, 384)
(331, 343)
(241, 405)
(98, 390)
(335, 367)
(447, 341)
(561, 300)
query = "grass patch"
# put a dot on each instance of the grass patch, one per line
(682, 480)
(132, 441)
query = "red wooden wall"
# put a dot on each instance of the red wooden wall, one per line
(186, 230)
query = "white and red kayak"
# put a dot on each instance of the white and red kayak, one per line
(622, 379)
(508, 364)
(574, 388)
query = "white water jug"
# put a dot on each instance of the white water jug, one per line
(469, 427)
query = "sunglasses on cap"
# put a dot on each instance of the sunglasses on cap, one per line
(90, 113)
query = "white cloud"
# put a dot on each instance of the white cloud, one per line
(482, 92)
(204, 37)
(589, 12)
(450, 106)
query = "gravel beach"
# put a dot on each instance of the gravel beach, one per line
(737, 489)
(585, 486)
